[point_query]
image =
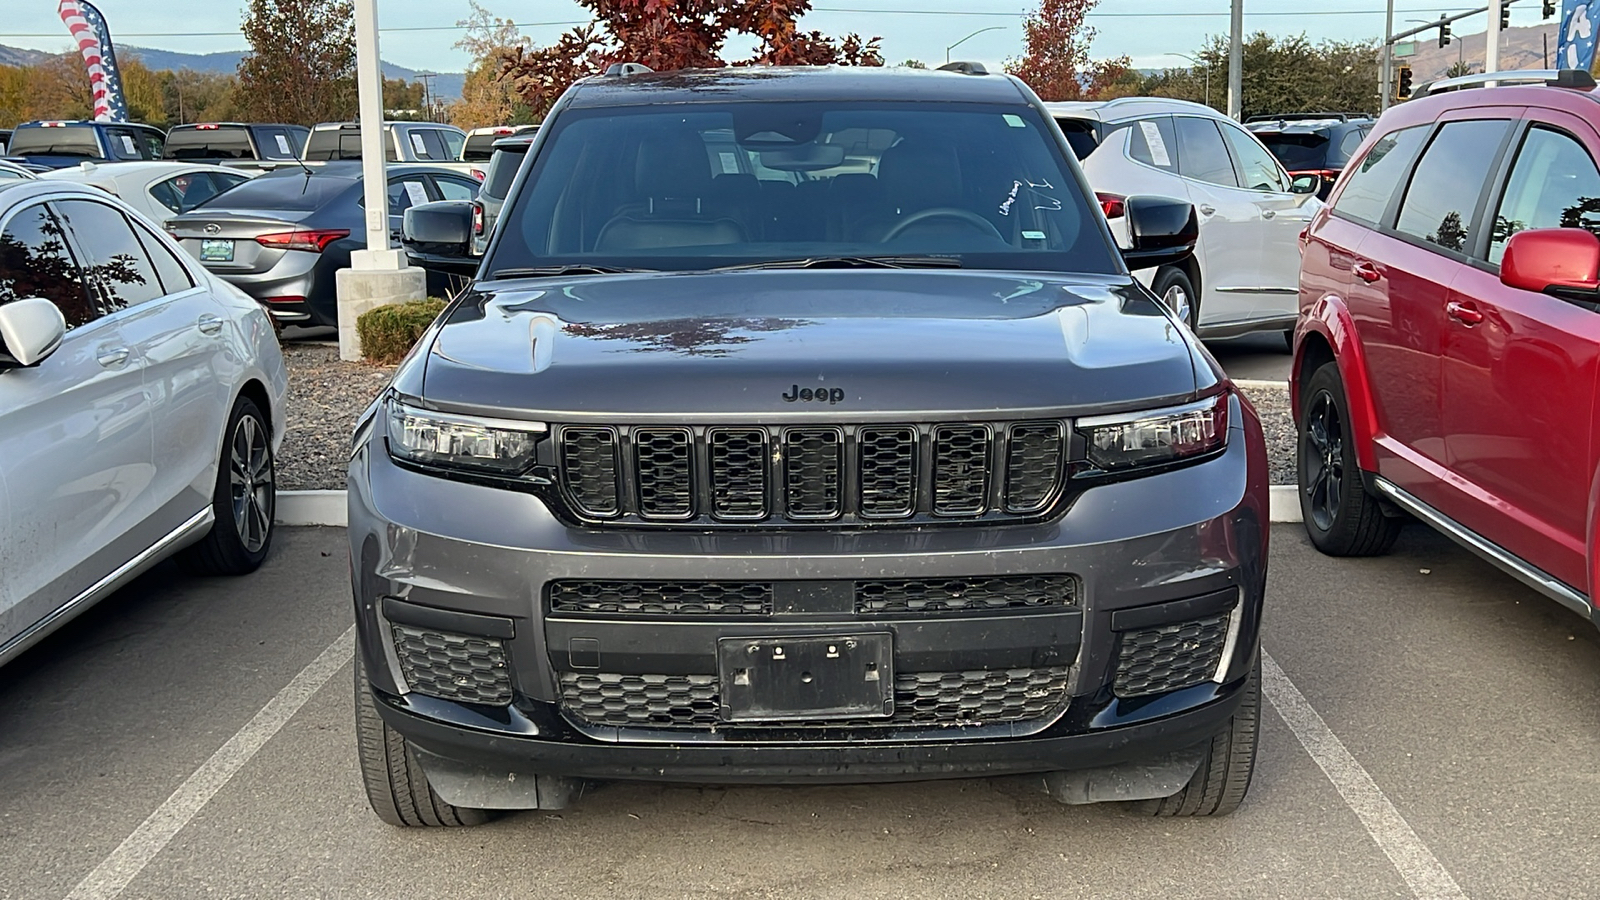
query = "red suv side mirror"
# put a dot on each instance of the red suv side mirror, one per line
(1562, 261)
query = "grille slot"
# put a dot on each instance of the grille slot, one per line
(702, 598)
(979, 697)
(960, 469)
(738, 473)
(663, 460)
(1033, 466)
(812, 477)
(936, 595)
(589, 464)
(1170, 657)
(458, 667)
(888, 471)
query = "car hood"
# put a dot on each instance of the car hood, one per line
(792, 343)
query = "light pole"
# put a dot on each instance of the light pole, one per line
(1199, 63)
(1236, 61)
(970, 37)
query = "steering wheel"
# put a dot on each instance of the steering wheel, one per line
(943, 212)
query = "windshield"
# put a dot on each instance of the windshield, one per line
(1297, 151)
(735, 184)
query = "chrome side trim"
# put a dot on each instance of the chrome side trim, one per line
(1232, 639)
(1533, 577)
(195, 527)
(1293, 292)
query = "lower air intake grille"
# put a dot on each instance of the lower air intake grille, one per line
(708, 598)
(934, 595)
(661, 701)
(1170, 657)
(456, 667)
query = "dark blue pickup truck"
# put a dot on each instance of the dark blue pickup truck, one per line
(57, 145)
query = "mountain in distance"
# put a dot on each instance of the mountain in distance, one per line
(17, 56)
(1520, 48)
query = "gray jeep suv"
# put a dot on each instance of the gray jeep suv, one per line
(805, 425)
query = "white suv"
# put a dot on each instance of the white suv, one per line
(1244, 275)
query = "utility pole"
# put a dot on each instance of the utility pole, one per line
(1386, 62)
(1491, 53)
(1236, 62)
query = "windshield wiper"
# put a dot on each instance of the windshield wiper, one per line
(575, 269)
(850, 262)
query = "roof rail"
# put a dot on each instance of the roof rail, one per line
(1308, 117)
(965, 67)
(621, 70)
(1577, 79)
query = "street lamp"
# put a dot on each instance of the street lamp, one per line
(1199, 63)
(970, 37)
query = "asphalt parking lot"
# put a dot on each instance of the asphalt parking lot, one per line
(1444, 725)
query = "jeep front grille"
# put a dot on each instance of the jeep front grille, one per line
(811, 474)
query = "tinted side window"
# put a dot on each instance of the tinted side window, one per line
(125, 143)
(1553, 185)
(174, 277)
(1366, 195)
(1258, 170)
(1203, 155)
(116, 265)
(453, 143)
(1351, 143)
(36, 262)
(1444, 191)
(453, 189)
(1154, 143)
(502, 168)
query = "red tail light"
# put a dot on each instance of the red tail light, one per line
(1324, 174)
(504, 130)
(303, 239)
(1114, 205)
(477, 219)
(476, 173)
(286, 299)
(206, 127)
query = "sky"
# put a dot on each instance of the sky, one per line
(418, 33)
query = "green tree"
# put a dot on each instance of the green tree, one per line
(1281, 75)
(486, 99)
(302, 66)
(913, 64)
(199, 96)
(1056, 63)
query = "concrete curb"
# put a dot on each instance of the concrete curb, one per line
(328, 507)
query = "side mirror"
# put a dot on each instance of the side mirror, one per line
(1564, 262)
(1305, 184)
(1163, 230)
(438, 236)
(30, 330)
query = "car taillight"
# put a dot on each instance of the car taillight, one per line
(477, 219)
(1324, 174)
(303, 239)
(1114, 205)
(206, 127)
(296, 298)
(476, 173)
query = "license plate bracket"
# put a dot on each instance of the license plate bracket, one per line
(806, 677)
(216, 250)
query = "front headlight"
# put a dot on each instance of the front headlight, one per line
(493, 446)
(1153, 437)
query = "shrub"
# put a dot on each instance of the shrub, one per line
(388, 332)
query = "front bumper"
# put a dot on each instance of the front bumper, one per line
(1166, 549)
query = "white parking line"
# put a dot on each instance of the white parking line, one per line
(119, 869)
(1422, 871)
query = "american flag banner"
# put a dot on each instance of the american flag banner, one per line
(89, 29)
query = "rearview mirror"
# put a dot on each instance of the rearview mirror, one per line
(1305, 184)
(1163, 230)
(30, 330)
(1564, 262)
(438, 236)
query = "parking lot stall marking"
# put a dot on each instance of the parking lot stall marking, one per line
(1422, 871)
(117, 871)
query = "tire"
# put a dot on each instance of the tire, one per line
(1219, 784)
(396, 786)
(1341, 518)
(1168, 281)
(244, 500)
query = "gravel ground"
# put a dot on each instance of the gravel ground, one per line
(326, 394)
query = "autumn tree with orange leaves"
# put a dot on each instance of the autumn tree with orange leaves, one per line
(677, 34)
(1057, 64)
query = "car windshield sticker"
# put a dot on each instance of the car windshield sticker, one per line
(283, 145)
(416, 192)
(730, 163)
(1014, 121)
(128, 146)
(1158, 146)
(417, 145)
(1033, 235)
(1036, 190)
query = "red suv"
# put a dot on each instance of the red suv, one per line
(1447, 354)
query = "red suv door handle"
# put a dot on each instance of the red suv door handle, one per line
(1366, 272)
(1465, 313)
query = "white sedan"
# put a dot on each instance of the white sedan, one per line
(156, 189)
(141, 406)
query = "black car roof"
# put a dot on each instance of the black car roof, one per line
(777, 83)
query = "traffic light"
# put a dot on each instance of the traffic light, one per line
(1444, 32)
(1505, 16)
(1548, 9)
(1403, 91)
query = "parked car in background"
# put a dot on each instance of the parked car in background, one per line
(5, 140)
(411, 142)
(141, 405)
(1447, 361)
(154, 189)
(235, 143)
(1317, 144)
(1242, 277)
(12, 171)
(508, 155)
(480, 141)
(58, 144)
(280, 236)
